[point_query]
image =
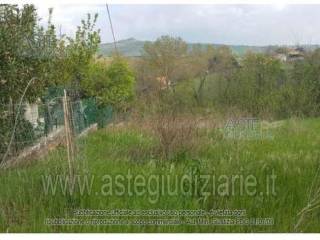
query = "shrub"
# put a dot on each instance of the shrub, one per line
(176, 133)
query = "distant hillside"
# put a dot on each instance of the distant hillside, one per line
(133, 48)
(128, 47)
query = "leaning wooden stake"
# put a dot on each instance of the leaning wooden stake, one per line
(68, 136)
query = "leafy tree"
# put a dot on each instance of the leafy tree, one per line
(222, 61)
(198, 60)
(304, 85)
(112, 85)
(313, 77)
(198, 68)
(26, 52)
(223, 68)
(258, 83)
(164, 57)
(74, 55)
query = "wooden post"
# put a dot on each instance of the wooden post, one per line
(68, 136)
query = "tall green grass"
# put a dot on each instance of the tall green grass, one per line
(292, 154)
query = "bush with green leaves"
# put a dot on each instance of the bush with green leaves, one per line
(112, 85)
(22, 136)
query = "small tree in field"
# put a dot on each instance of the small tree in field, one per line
(164, 57)
(77, 54)
(258, 84)
(112, 85)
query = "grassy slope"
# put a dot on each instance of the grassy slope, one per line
(293, 154)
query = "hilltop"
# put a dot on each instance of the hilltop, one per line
(132, 47)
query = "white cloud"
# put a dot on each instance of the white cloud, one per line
(232, 24)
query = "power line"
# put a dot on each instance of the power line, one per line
(114, 38)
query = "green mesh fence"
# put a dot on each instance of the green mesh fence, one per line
(41, 120)
(104, 116)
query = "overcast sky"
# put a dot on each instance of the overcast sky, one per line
(228, 24)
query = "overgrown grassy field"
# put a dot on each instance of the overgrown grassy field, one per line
(293, 155)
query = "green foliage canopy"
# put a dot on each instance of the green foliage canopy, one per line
(111, 85)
